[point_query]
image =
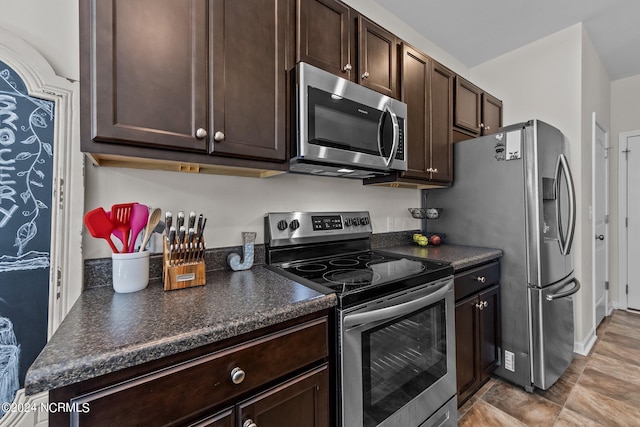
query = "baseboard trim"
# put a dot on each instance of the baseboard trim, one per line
(584, 347)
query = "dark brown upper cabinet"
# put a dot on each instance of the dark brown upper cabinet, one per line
(491, 114)
(249, 79)
(335, 38)
(476, 113)
(148, 82)
(427, 88)
(377, 58)
(178, 82)
(324, 36)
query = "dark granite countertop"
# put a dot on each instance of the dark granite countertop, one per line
(105, 331)
(460, 257)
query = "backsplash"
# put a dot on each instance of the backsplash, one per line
(97, 272)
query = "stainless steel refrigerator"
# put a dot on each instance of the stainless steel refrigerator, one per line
(514, 191)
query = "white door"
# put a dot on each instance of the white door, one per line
(631, 152)
(600, 219)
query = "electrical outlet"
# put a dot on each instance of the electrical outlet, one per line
(509, 361)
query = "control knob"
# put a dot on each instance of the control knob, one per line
(348, 222)
(282, 225)
(356, 221)
(294, 225)
(364, 220)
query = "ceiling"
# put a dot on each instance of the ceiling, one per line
(475, 31)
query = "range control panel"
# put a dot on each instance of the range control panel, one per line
(299, 227)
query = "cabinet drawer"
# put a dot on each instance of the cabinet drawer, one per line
(181, 392)
(476, 279)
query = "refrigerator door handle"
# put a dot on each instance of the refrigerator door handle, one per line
(571, 291)
(565, 241)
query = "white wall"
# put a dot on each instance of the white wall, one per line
(49, 26)
(543, 80)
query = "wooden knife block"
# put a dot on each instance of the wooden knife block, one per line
(185, 269)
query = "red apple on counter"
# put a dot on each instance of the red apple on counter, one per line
(435, 240)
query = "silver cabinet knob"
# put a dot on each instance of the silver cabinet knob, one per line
(249, 423)
(434, 170)
(365, 75)
(346, 68)
(479, 305)
(218, 136)
(481, 125)
(486, 304)
(481, 279)
(600, 237)
(488, 128)
(201, 133)
(237, 375)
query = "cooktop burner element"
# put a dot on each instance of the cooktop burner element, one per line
(331, 252)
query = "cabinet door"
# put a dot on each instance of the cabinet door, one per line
(224, 418)
(300, 402)
(489, 331)
(491, 114)
(442, 80)
(377, 58)
(466, 347)
(415, 70)
(249, 79)
(467, 106)
(323, 36)
(149, 72)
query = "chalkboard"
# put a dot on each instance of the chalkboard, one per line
(26, 174)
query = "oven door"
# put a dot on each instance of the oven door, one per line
(398, 358)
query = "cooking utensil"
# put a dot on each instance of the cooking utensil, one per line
(168, 222)
(138, 221)
(190, 235)
(200, 217)
(100, 226)
(180, 221)
(120, 216)
(154, 219)
(115, 232)
(171, 237)
(192, 220)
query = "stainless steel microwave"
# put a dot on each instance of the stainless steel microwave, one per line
(344, 129)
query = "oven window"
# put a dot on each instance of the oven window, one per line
(401, 359)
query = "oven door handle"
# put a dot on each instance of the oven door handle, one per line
(351, 320)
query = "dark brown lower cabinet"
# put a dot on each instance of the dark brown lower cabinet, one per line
(300, 402)
(477, 333)
(275, 377)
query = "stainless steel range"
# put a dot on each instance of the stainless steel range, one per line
(395, 318)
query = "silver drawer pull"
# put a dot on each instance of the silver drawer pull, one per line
(479, 305)
(249, 423)
(481, 279)
(237, 375)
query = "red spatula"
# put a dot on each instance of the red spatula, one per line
(121, 216)
(100, 226)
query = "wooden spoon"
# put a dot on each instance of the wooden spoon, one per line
(154, 219)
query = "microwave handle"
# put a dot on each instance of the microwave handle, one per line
(396, 135)
(396, 310)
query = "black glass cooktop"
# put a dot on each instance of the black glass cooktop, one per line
(365, 271)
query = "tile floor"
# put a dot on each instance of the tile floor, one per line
(601, 389)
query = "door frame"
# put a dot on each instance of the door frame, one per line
(67, 207)
(595, 124)
(622, 215)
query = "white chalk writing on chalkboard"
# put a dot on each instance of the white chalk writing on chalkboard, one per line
(21, 161)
